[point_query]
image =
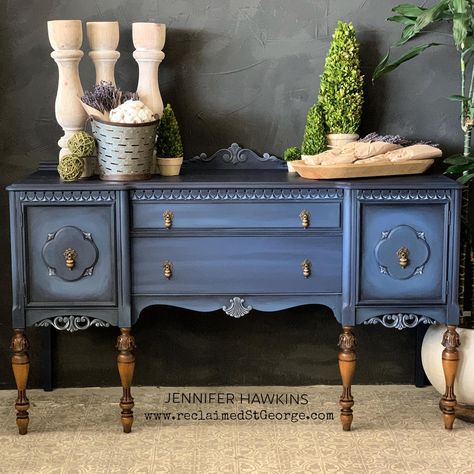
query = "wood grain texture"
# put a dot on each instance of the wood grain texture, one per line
(21, 367)
(347, 365)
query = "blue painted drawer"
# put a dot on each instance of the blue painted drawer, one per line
(403, 253)
(222, 215)
(236, 265)
(70, 255)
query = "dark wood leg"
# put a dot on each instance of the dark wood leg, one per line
(347, 365)
(450, 365)
(126, 365)
(21, 367)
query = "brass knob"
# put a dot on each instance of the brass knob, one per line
(167, 269)
(402, 255)
(305, 217)
(70, 256)
(168, 219)
(306, 266)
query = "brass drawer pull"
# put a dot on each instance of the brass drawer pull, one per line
(167, 269)
(402, 255)
(168, 219)
(305, 217)
(306, 266)
(70, 256)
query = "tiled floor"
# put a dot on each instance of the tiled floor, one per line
(396, 429)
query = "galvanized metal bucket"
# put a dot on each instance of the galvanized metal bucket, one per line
(124, 151)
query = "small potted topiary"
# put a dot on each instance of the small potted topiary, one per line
(314, 140)
(291, 154)
(169, 147)
(341, 90)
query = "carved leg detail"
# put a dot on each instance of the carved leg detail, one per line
(347, 365)
(450, 365)
(126, 365)
(21, 367)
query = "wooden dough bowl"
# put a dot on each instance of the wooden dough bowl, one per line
(360, 171)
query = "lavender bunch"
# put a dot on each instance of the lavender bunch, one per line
(395, 139)
(105, 96)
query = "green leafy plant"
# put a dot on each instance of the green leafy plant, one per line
(415, 21)
(314, 140)
(341, 90)
(168, 137)
(291, 154)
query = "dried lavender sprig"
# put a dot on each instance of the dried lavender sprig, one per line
(396, 140)
(105, 96)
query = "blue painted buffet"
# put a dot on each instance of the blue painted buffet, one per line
(234, 232)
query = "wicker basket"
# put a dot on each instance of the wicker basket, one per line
(125, 151)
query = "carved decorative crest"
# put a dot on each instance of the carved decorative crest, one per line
(237, 308)
(347, 340)
(72, 323)
(400, 321)
(451, 339)
(19, 342)
(125, 342)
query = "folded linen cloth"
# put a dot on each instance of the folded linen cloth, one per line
(362, 150)
(414, 152)
(374, 159)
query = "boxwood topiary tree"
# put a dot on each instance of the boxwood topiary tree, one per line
(168, 138)
(341, 90)
(314, 140)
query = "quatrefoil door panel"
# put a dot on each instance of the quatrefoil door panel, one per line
(71, 255)
(403, 254)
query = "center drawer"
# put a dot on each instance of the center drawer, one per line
(236, 265)
(224, 215)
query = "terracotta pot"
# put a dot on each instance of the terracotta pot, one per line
(340, 139)
(169, 166)
(431, 358)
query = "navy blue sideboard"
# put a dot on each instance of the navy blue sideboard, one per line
(234, 232)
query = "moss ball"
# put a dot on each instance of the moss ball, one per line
(81, 144)
(70, 167)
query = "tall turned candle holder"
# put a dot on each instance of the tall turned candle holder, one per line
(103, 38)
(149, 40)
(65, 37)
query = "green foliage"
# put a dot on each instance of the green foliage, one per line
(291, 154)
(459, 14)
(341, 92)
(314, 140)
(168, 138)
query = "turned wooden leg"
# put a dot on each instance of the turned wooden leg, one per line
(450, 366)
(21, 367)
(347, 365)
(126, 364)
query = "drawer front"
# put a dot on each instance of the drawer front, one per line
(70, 255)
(403, 253)
(236, 265)
(236, 215)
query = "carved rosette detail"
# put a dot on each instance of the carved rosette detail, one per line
(125, 342)
(400, 321)
(72, 323)
(347, 340)
(237, 308)
(19, 343)
(451, 340)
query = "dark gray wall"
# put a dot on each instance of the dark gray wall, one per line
(235, 70)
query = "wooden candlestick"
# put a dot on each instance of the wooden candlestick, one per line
(65, 37)
(149, 40)
(103, 37)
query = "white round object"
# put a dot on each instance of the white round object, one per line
(132, 111)
(431, 351)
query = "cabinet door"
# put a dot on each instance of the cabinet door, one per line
(403, 253)
(70, 254)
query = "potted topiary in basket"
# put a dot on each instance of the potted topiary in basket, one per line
(169, 147)
(291, 154)
(341, 89)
